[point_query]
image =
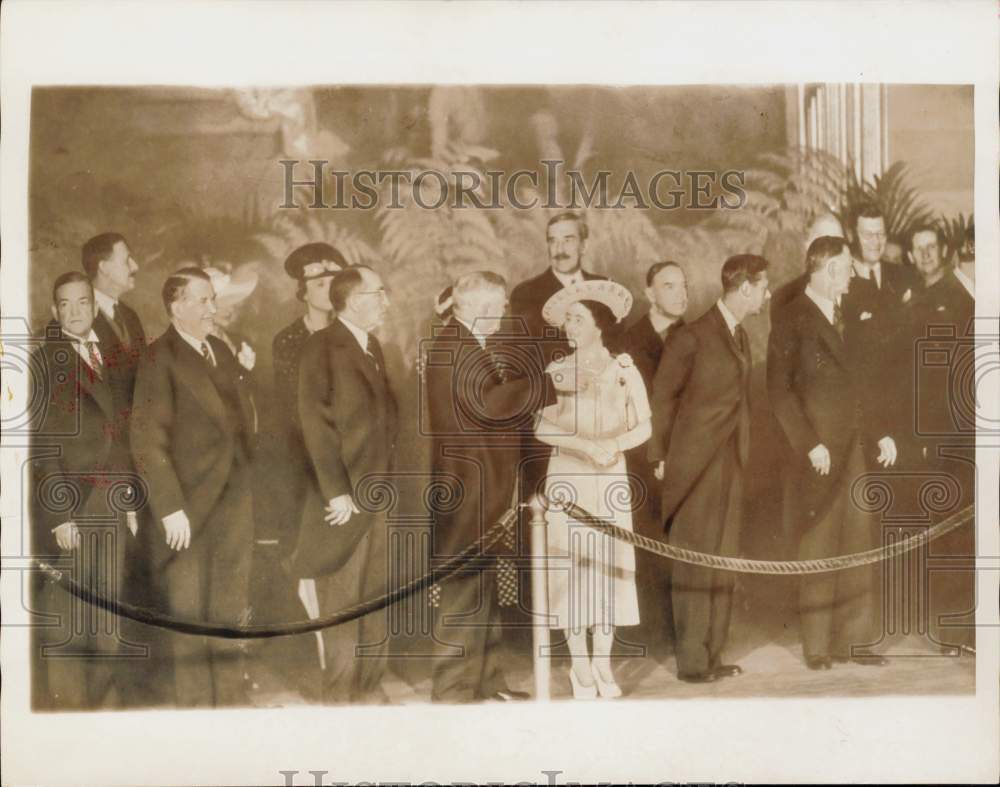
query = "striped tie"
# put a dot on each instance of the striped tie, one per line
(95, 358)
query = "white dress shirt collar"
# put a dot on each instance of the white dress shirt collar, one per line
(360, 335)
(105, 303)
(568, 279)
(825, 305)
(196, 343)
(965, 281)
(727, 315)
(90, 337)
(479, 338)
(863, 270)
(83, 345)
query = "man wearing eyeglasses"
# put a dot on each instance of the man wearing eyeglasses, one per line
(348, 415)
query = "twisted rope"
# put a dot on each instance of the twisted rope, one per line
(489, 539)
(153, 618)
(780, 567)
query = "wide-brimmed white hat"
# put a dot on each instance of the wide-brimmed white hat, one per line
(610, 293)
(232, 288)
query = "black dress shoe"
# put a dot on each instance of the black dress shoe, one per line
(508, 695)
(819, 662)
(696, 677)
(870, 661)
(727, 670)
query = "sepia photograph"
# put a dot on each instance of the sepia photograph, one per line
(451, 401)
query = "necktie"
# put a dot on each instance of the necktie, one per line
(370, 348)
(205, 351)
(499, 369)
(119, 324)
(741, 340)
(95, 358)
(838, 319)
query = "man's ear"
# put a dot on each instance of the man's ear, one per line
(745, 289)
(909, 256)
(96, 309)
(55, 313)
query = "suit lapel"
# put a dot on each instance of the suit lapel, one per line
(344, 338)
(106, 334)
(94, 385)
(826, 331)
(132, 324)
(98, 389)
(229, 366)
(729, 339)
(194, 374)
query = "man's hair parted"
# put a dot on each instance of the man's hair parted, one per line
(177, 282)
(98, 249)
(344, 283)
(656, 267)
(69, 278)
(742, 268)
(569, 215)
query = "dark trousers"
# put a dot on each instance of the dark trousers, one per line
(952, 593)
(356, 652)
(208, 582)
(652, 573)
(81, 644)
(709, 521)
(836, 608)
(468, 618)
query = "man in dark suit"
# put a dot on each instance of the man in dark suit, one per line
(943, 315)
(80, 457)
(701, 438)
(349, 422)
(666, 290)
(475, 417)
(824, 224)
(878, 315)
(109, 263)
(566, 239)
(192, 434)
(832, 428)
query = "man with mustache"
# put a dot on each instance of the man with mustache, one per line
(111, 268)
(566, 238)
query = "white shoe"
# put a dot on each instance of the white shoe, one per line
(581, 692)
(608, 690)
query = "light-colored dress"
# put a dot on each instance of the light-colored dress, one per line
(591, 576)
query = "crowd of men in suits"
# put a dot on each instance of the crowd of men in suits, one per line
(152, 444)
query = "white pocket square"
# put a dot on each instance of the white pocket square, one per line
(865, 316)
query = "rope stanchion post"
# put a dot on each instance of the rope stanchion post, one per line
(539, 599)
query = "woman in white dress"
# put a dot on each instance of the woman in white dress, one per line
(601, 411)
